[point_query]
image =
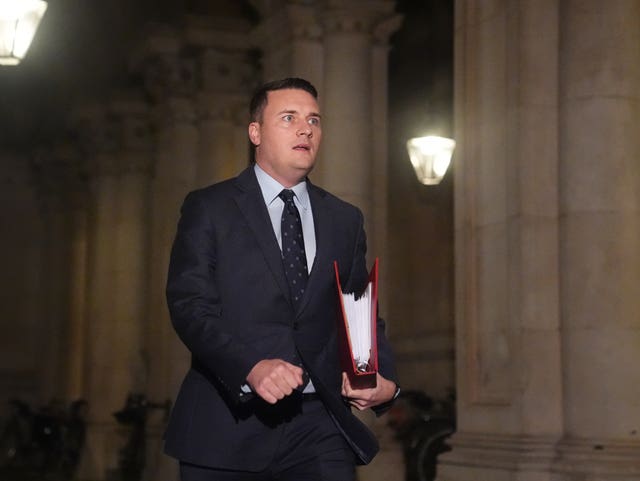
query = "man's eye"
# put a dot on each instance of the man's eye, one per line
(287, 118)
(314, 121)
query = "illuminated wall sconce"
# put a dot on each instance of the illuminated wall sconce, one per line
(19, 20)
(430, 157)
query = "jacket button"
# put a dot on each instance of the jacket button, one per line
(296, 325)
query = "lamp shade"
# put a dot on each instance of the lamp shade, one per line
(430, 157)
(19, 20)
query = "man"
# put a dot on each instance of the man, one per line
(265, 398)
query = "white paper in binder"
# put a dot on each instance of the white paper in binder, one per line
(358, 314)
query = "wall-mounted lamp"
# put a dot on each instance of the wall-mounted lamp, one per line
(430, 157)
(19, 20)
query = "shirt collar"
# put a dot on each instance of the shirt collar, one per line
(271, 188)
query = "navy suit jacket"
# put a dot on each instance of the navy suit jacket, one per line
(229, 302)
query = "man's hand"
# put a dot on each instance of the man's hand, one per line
(365, 398)
(273, 379)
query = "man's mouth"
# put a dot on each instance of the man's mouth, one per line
(304, 147)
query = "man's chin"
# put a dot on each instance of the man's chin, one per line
(305, 163)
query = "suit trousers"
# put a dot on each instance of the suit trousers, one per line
(310, 449)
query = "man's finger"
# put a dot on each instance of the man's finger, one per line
(288, 377)
(297, 372)
(346, 386)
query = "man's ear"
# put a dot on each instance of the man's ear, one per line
(254, 133)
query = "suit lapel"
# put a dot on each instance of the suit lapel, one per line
(251, 204)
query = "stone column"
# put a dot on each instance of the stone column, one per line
(175, 167)
(223, 148)
(600, 239)
(290, 38)
(170, 80)
(355, 150)
(119, 158)
(348, 102)
(378, 243)
(130, 367)
(222, 105)
(508, 337)
(74, 341)
(100, 459)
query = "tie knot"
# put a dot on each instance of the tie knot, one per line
(286, 195)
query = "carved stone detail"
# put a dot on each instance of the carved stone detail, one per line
(95, 129)
(226, 71)
(168, 75)
(356, 16)
(293, 21)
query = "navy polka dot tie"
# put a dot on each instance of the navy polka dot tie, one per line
(293, 253)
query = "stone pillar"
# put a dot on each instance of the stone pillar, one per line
(175, 167)
(104, 396)
(223, 148)
(508, 336)
(222, 105)
(117, 147)
(348, 101)
(74, 343)
(289, 37)
(170, 79)
(600, 239)
(355, 150)
(130, 366)
(378, 242)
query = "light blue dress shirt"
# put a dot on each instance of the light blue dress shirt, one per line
(270, 189)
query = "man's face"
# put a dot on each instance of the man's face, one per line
(288, 136)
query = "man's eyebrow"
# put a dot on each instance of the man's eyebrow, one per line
(287, 111)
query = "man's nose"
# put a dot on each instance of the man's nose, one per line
(305, 129)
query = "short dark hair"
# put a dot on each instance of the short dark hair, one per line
(259, 99)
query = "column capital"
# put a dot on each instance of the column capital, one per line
(304, 22)
(132, 119)
(220, 32)
(95, 130)
(289, 20)
(222, 51)
(170, 75)
(163, 65)
(226, 71)
(356, 16)
(116, 137)
(383, 30)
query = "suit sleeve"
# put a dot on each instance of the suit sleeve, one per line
(194, 302)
